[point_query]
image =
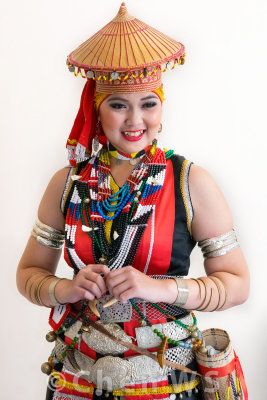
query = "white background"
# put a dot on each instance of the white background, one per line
(213, 114)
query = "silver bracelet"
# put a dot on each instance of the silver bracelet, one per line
(219, 245)
(183, 292)
(47, 236)
(51, 291)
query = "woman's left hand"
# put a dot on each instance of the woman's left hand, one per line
(127, 283)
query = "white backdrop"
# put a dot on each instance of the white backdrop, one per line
(213, 114)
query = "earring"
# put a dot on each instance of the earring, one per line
(95, 142)
(160, 128)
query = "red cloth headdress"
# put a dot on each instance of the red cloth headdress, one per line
(84, 127)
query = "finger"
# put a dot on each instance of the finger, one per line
(119, 290)
(120, 271)
(91, 287)
(96, 274)
(88, 295)
(127, 295)
(99, 268)
(112, 282)
(99, 280)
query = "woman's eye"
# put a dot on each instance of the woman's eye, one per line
(149, 105)
(117, 105)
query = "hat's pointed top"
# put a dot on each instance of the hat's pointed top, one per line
(123, 15)
(124, 45)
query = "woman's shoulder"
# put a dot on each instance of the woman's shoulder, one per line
(211, 211)
(49, 210)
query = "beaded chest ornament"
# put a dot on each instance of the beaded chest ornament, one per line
(92, 200)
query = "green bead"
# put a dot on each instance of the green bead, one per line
(155, 330)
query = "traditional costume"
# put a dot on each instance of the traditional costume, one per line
(106, 349)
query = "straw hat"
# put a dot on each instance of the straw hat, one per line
(126, 53)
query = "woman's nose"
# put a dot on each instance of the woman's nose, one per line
(133, 118)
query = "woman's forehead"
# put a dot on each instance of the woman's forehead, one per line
(133, 96)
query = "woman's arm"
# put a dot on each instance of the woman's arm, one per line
(212, 218)
(39, 261)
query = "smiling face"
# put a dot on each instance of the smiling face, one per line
(131, 120)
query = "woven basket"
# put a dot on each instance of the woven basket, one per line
(222, 373)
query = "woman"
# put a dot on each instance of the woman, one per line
(131, 213)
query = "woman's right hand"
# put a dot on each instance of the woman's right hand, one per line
(87, 284)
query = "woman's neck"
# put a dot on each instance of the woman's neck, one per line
(120, 170)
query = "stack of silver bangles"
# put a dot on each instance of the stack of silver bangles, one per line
(47, 235)
(219, 245)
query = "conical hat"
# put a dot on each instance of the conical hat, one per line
(125, 44)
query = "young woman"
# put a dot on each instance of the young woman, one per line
(132, 213)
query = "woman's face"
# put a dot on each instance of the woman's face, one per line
(131, 120)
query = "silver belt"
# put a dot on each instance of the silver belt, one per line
(145, 336)
(113, 373)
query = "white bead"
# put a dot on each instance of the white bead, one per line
(86, 228)
(76, 177)
(172, 396)
(115, 235)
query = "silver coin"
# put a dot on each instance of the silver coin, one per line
(114, 75)
(89, 74)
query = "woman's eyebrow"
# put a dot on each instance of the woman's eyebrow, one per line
(150, 97)
(143, 98)
(116, 98)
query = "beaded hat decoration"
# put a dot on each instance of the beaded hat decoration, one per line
(126, 55)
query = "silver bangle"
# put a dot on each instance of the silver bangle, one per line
(183, 292)
(219, 245)
(51, 291)
(47, 236)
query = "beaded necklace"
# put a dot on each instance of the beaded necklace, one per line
(132, 157)
(133, 208)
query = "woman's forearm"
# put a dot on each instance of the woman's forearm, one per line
(33, 283)
(218, 291)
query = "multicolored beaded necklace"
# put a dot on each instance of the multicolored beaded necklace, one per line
(134, 205)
